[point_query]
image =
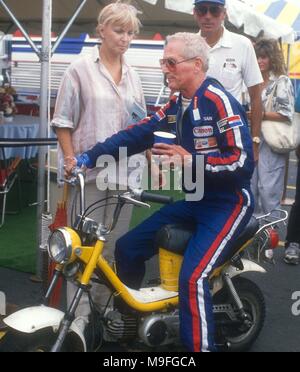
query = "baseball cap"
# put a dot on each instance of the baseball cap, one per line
(218, 2)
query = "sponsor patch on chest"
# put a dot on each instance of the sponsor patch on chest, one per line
(230, 123)
(205, 143)
(204, 131)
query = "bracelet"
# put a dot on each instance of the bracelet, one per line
(69, 158)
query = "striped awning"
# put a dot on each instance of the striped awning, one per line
(284, 11)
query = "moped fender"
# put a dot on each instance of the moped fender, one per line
(249, 266)
(33, 319)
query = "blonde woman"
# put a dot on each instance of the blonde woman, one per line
(268, 179)
(98, 96)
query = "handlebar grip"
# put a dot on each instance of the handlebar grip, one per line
(149, 197)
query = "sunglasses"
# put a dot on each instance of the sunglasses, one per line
(214, 10)
(171, 63)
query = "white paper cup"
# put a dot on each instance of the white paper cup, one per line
(164, 137)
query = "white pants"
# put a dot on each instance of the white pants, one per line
(99, 292)
(268, 180)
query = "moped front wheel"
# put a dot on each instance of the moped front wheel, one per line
(239, 336)
(38, 342)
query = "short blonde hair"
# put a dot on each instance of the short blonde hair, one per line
(120, 13)
(194, 46)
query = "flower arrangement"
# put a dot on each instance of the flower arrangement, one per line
(7, 101)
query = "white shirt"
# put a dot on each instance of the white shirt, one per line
(233, 62)
(92, 105)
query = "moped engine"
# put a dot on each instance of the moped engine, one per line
(159, 329)
(120, 327)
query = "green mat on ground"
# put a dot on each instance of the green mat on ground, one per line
(18, 235)
(17, 241)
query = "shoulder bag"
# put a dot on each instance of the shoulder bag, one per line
(282, 137)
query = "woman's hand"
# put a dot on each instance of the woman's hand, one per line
(70, 162)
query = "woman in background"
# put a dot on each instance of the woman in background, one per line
(268, 178)
(100, 95)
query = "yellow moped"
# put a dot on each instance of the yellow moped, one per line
(149, 316)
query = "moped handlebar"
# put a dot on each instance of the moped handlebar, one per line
(149, 197)
(77, 177)
(137, 197)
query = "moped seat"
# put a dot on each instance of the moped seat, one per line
(175, 238)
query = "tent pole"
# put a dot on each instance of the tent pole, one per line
(69, 24)
(44, 56)
(43, 130)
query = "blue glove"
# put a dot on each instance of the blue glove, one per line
(84, 161)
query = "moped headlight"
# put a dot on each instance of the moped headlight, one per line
(60, 246)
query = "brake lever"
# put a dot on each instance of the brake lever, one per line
(134, 201)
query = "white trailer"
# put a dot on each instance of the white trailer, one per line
(143, 55)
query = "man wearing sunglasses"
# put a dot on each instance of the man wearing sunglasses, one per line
(210, 125)
(232, 60)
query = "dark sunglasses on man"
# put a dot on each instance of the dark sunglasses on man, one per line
(214, 10)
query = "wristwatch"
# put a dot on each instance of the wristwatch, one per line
(256, 140)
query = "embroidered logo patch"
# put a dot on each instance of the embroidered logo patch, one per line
(204, 131)
(160, 115)
(205, 143)
(227, 124)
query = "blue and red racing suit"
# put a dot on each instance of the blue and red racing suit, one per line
(214, 126)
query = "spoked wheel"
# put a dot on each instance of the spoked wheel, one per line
(241, 336)
(38, 342)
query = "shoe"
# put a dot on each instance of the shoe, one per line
(292, 254)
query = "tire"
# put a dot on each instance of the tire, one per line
(239, 338)
(38, 342)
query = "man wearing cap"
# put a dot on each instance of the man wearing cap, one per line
(232, 60)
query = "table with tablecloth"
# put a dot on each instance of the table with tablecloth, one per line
(22, 127)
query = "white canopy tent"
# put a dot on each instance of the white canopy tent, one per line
(164, 16)
(240, 15)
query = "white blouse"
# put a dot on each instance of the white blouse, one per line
(92, 105)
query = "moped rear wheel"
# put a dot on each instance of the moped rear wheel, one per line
(239, 336)
(38, 342)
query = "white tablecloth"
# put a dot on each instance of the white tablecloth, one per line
(22, 127)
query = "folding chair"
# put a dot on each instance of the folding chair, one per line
(8, 177)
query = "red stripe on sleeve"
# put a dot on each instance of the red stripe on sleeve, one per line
(218, 102)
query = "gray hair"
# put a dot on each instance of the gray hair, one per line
(194, 46)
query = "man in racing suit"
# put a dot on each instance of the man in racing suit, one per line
(213, 126)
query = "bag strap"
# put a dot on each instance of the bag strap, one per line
(272, 94)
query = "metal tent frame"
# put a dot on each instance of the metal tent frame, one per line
(44, 55)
